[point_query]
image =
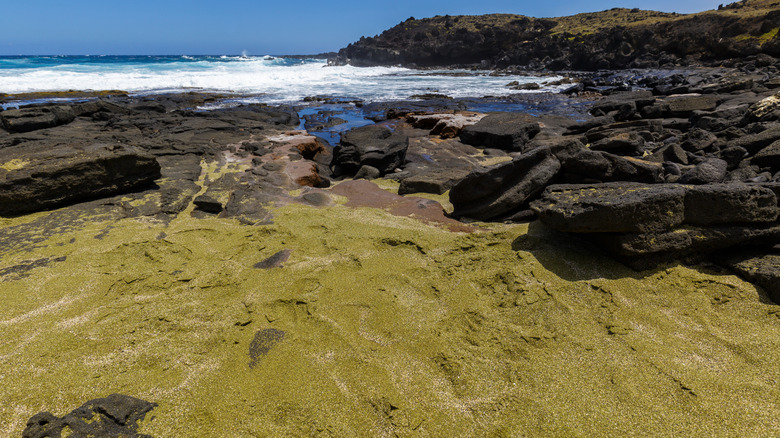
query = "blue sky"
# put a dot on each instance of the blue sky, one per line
(177, 27)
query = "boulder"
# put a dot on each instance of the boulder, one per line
(713, 204)
(611, 207)
(494, 191)
(710, 170)
(372, 145)
(768, 157)
(622, 143)
(765, 108)
(644, 250)
(113, 416)
(647, 224)
(36, 177)
(34, 118)
(368, 172)
(755, 142)
(698, 139)
(733, 155)
(445, 125)
(759, 268)
(508, 131)
(679, 106)
(587, 166)
(435, 181)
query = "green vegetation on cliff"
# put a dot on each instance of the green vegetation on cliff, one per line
(615, 38)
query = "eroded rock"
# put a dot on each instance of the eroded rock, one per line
(34, 177)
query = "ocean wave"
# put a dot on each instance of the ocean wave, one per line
(277, 79)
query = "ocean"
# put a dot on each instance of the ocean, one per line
(266, 79)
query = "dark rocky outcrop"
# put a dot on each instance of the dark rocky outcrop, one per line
(646, 224)
(34, 118)
(758, 268)
(617, 38)
(34, 178)
(114, 416)
(495, 191)
(508, 131)
(611, 207)
(373, 145)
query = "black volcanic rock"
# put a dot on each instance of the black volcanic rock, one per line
(114, 416)
(508, 131)
(36, 177)
(611, 207)
(618, 38)
(34, 118)
(490, 192)
(646, 224)
(372, 145)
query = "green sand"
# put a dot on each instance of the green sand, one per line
(392, 327)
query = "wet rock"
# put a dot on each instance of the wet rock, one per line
(373, 145)
(34, 118)
(494, 191)
(508, 131)
(38, 177)
(105, 108)
(114, 416)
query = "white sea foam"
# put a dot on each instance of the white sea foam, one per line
(276, 79)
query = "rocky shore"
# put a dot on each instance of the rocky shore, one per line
(603, 262)
(744, 32)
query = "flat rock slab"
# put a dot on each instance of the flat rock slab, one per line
(713, 204)
(647, 208)
(508, 131)
(687, 241)
(611, 207)
(37, 177)
(32, 119)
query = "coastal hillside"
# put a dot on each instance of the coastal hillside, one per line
(616, 38)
